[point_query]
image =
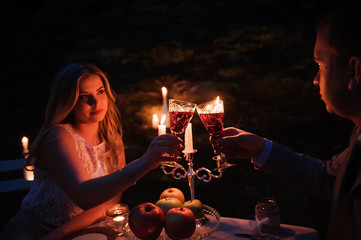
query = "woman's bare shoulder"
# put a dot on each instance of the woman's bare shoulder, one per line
(57, 133)
(55, 141)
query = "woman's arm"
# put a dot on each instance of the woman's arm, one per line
(62, 159)
(82, 220)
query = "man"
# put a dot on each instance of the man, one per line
(337, 51)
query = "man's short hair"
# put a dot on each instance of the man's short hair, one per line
(344, 29)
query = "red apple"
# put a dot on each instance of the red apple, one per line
(196, 206)
(168, 203)
(146, 220)
(173, 192)
(180, 223)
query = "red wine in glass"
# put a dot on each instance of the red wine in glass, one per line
(179, 121)
(213, 122)
(212, 113)
(180, 114)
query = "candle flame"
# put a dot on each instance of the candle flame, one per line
(25, 140)
(118, 218)
(164, 91)
(162, 120)
(218, 107)
(155, 121)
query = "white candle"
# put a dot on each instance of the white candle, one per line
(29, 174)
(188, 139)
(165, 104)
(162, 127)
(155, 121)
(25, 142)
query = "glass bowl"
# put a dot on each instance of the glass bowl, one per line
(209, 223)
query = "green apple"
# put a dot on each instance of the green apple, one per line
(196, 206)
(173, 192)
(168, 203)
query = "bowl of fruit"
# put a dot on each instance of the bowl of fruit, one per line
(171, 217)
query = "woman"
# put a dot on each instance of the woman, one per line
(79, 158)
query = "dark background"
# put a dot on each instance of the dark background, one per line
(256, 55)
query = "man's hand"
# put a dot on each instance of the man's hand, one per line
(236, 143)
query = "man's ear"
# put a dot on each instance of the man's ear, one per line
(355, 64)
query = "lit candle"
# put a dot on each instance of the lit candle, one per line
(188, 139)
(165, 105)
(118, 219)
(28, 171)
(25, 142)
(155, 121)
(164, 94)
(162, 127)
(218, 108)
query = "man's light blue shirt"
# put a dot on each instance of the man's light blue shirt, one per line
(263, 156)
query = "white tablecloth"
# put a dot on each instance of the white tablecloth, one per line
(229, 226)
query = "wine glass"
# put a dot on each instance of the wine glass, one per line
(117, 217)
(212, 114)
(180, 114)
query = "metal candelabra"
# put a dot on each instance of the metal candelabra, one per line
(202, 173)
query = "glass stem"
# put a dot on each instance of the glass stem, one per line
(220, 153)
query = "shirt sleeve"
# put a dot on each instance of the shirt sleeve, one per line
(263, 156)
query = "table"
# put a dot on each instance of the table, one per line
(228, 227)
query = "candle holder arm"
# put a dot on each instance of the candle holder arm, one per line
(177, 171)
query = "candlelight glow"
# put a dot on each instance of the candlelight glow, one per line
(164, 91)
(165, 106)
(219, 106)
(25, 142)
(155, 117)
(162, 120)
(118, 219)
(208, 108)
(215, 106)
(155, 121)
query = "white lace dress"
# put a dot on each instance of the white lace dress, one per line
(47, 201)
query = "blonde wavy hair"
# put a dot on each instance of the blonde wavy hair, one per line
(63, 97)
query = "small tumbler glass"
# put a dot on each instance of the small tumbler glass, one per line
(117, 217)
(268, 216)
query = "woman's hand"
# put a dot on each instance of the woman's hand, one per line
(236, 143)
(165, 147)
